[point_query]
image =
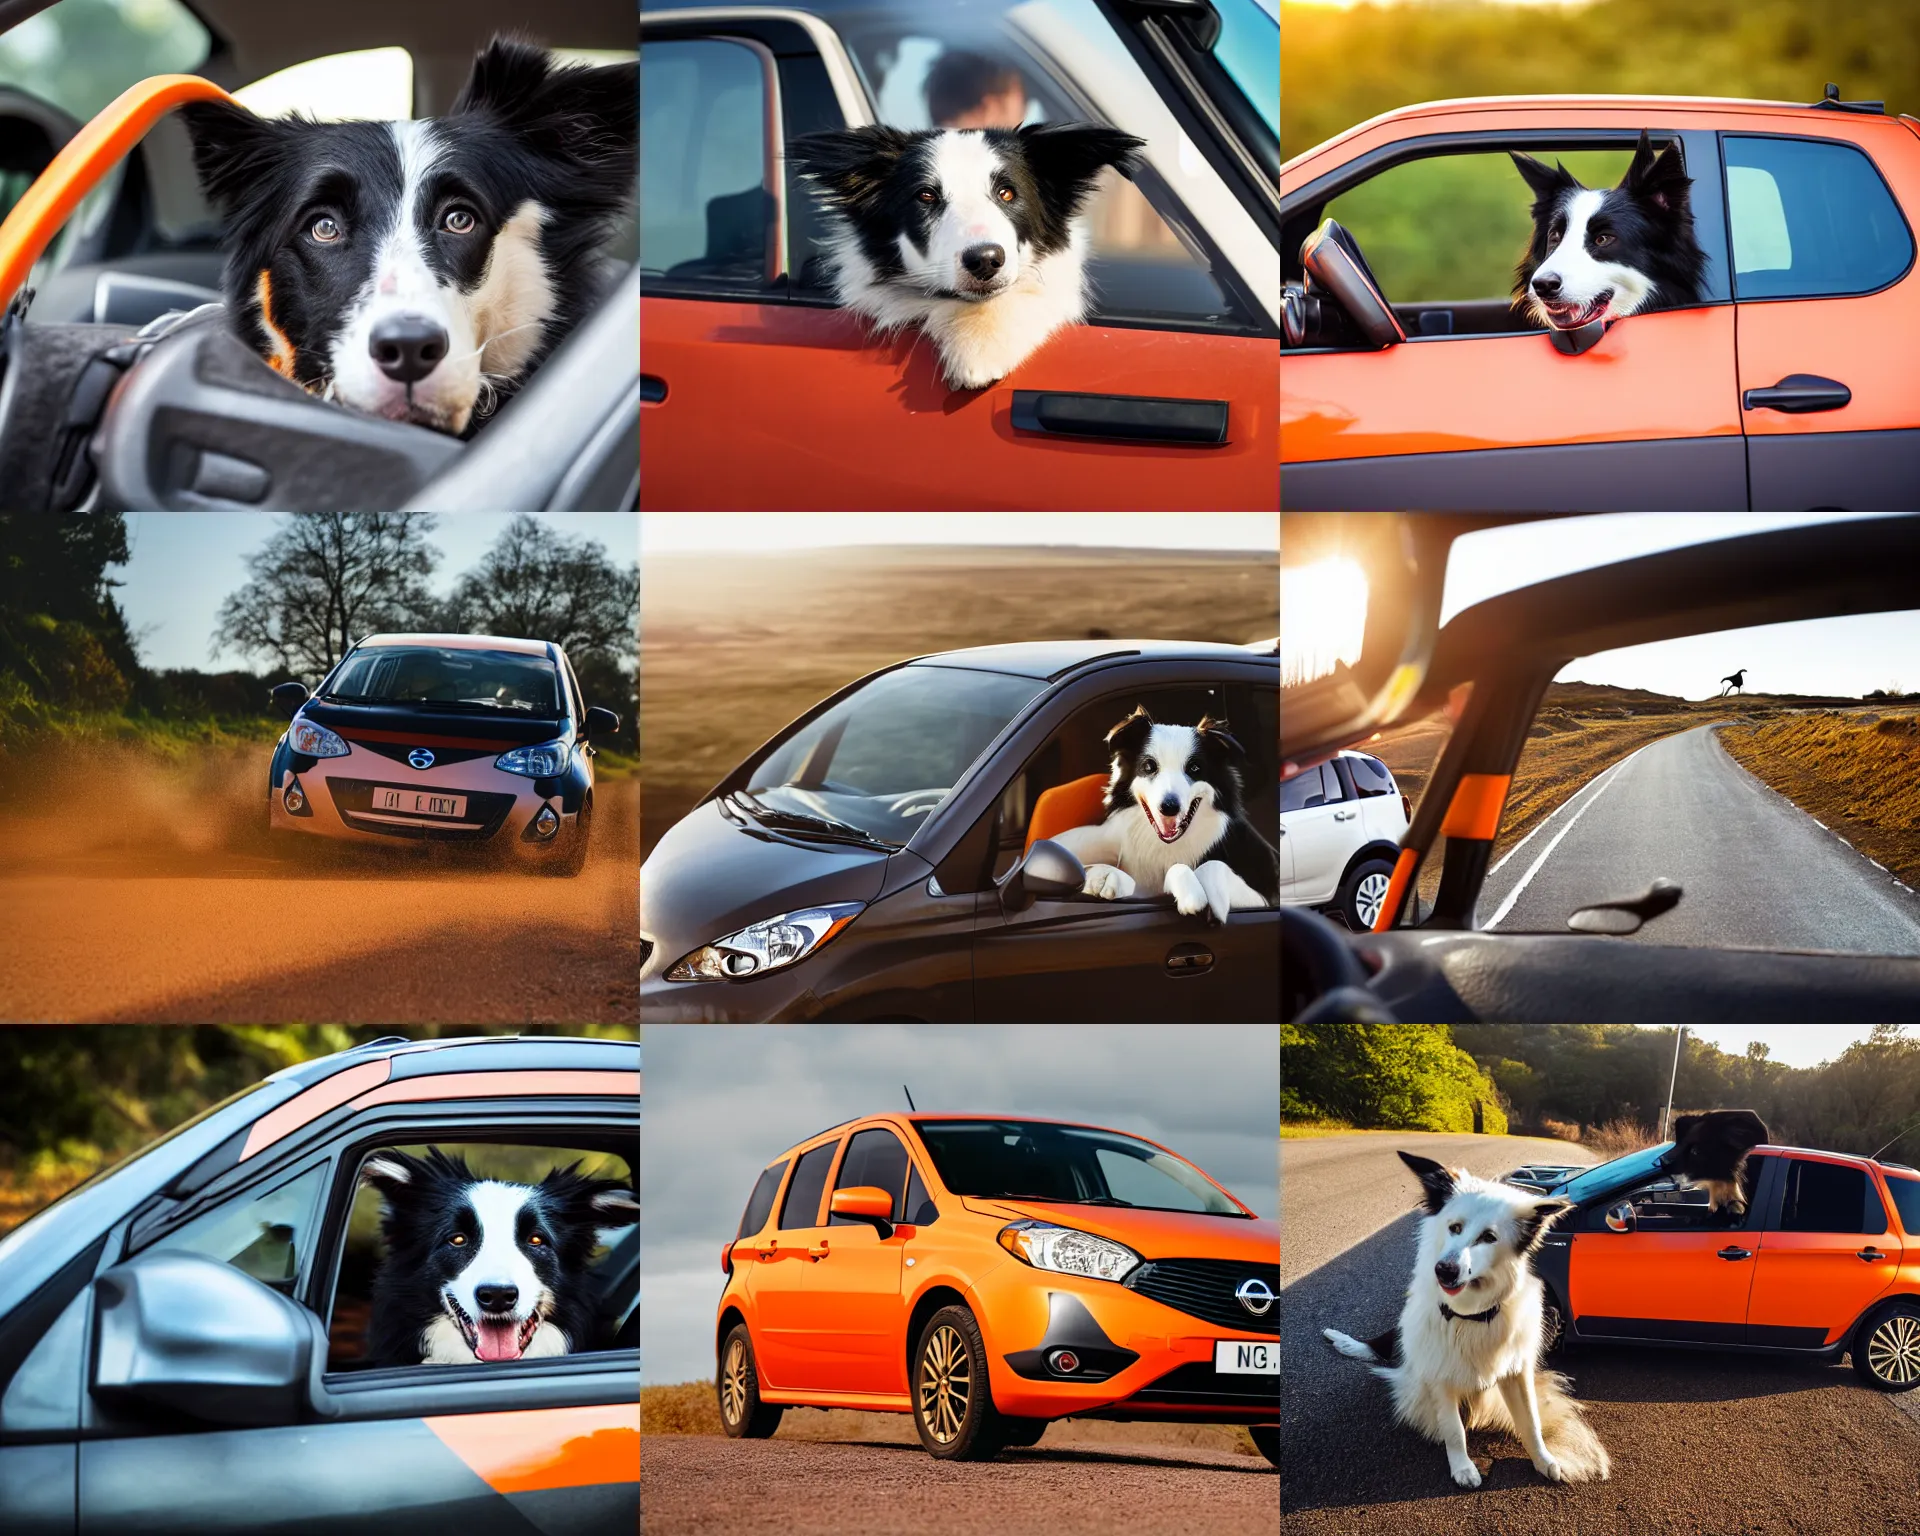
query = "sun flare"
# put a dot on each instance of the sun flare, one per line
(1323, 618)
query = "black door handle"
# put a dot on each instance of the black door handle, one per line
(653, 389)
(1189, 960)
(1799, 393)
(1870, 1254)
(1731, 1254)
(1124, 418)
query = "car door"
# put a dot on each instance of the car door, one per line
(1319, 831)
(1828, 310)
(759, 391)
(788, 1346)
(1670, 1278)
(1825, 1256)
(858, 1279)
(1471, 410)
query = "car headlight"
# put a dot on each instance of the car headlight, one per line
(312, 740)
(537, 762)
(766, 946)
(1067, 1252)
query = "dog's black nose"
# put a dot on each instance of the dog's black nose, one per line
(1546, 284)
(1447, 1272)
(982, 261)
(406, 348)
(1169, 805)
(496, 1298)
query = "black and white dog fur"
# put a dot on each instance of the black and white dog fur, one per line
(1174, 822)
(1608, 253)
(1710, 1151)
(973, 235)
(422, 270)
(1466, 1351)
(481, 1269)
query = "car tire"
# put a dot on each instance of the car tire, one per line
(1266, 1439)
(742, 1415)
(1020, 1434)
(952, 1397)
(575, 858)
(1362, 893)
(1886, 1347)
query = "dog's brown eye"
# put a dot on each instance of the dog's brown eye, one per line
(325, 230)
(1487, 1236)
(928, 195)
(1148, 765)
(1600, 240)
(537, 1240)
(457, 1240)
(1005, 194)
(458, 222)
(1454, 1229)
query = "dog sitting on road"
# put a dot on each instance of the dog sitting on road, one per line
(1710, 1151)
(1477, 1364)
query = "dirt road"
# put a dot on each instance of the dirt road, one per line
(702, 1485)
(149, 896)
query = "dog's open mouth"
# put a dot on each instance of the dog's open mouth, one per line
(490, 1337)
(1452, 1290)
(1170, 829)
(1570, 317)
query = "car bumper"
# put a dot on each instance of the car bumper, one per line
(494, 809)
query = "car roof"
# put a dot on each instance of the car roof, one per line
(918, 1117)
(470, 1053)
(1050, 660)
(462, 643)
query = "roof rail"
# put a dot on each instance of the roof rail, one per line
(1833, 103)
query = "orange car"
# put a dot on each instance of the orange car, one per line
(1825, 1260)
(989, 1275)
(1789, 386)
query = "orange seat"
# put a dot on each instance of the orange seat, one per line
(1079, 803)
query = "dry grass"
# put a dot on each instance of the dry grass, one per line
(1618, 1137)
(1560, 1130)
(1858, 772)
(735, 646)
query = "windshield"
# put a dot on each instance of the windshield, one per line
(1066, 1165)
(1633, 1166)
(452, 677)
(884, 758)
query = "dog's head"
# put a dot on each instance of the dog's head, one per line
(1172, 771)
(414, 270)
(490, 1254)
(1477, 1234)
(960, 214)
(1710, 1150)
(1597, 254)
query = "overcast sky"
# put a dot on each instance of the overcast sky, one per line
(183, 565)
(723, 1101)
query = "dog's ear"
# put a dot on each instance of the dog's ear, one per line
(1436, 1182)
(582, 115)
(590, 1202)
(1543, 181)
(1533, 1223)
(1130, 735)
(1066, 158)
(1657, 179)
(397, 1176)
(232, 148)
(849, 165)
(1216, 730)
(1683, 1124)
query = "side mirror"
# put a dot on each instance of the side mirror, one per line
(599, 722)
(1047, 870)
(1620, 1218)
(288, 697)
(185, 1332)
(865, 1202)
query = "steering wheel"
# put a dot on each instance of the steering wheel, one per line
(1334, 264)
(1313, 948)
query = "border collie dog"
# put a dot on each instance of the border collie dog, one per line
(1710, 1151)
(973, 235)
(1174, 822)
(1607, 254)
(422, 270)
(483, 1270)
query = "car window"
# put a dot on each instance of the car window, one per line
(1146, 1181)
(368, 83)
(1249, 51)
(802, 1205)
(1810, 218)
(705, 212)
(453, 677)
(760, 1202)
(921, 1210)
(1037, 1160)
(1906, 1200)
(874, 1159)
(264, 1233)
(1316, 786)
(1370, 776)
(80, 54)
(1830, 1197)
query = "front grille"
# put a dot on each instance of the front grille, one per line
(353, 799)
(1199, 1385)
(1204, 1288)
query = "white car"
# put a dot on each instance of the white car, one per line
(1341, 822)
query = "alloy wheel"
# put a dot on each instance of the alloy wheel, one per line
(1368, 896)
(733, 1386)
(946, 1381)
(1893, 1352)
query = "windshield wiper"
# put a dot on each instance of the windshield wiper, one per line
(353, 698)
(802, 821)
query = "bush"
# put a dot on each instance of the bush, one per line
(1618, 1137)
(1397, 1076)
(1560, 1130)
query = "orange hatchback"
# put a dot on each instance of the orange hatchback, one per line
(989, 1275)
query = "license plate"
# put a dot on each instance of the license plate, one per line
(418, 802)
(1233, 1358)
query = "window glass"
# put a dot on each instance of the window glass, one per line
(1249, 51)
(1906, 1199)
(454, 676)
(369, 83)
(1810, 218)
(921, 1210)
(809, 1182)
(80, 54)
(760, 1203)
(1144, 1181)
(1829, 1197)
(1035, 1160)
(1370, 777)
(1317, 786)
(262, 1234)
(704, 208)
(874, 1159)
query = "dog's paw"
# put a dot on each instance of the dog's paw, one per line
(1108, 883)
(1548, 1468)
(1188, 894)
(973, 375)
(1466, 1474)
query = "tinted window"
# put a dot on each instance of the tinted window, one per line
(1370, 777)
(261, 1234)
(802, 1208)
(458, 679)
(1014, 1160)
(705, 212)
(1319, 785)
(760, 1203)
(1810, 218)
(921, 1210)
(874, 1159)
(1906, 1199)
(1829, 1197)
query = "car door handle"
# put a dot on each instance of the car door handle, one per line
(1189, 960)
(1733, 1254)
(653, 389)
(1870, 1253)
(1345, 815)
(1799, 393)
(817, 1254)
(1127, 418)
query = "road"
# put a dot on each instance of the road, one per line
(706, 1485)
(1700, 1442)
(149, 928)
(1757, 870)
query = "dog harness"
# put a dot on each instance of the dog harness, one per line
(1470, 1317)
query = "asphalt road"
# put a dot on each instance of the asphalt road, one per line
(706, 1485)
(1700, 1442)
(1757, 870)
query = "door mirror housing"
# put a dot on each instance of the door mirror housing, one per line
(188, 1333)
(868, 1203)
(599, 722)
(1620, 1218)
(1047, 870)
(288, 697)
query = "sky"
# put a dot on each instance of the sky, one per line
(183, 565)
(723, 1102)
(757, 532)
(1794, 1045)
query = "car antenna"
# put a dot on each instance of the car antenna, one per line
(909, 1093)
(1912, 1124)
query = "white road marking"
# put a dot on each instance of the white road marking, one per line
(1599, 787)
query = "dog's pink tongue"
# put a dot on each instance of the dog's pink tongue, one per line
(498, 1341)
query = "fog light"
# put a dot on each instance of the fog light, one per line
(295, 799)
(546, 823)
(1065, 1361)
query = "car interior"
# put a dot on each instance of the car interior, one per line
(211, 425)
(1444, 968)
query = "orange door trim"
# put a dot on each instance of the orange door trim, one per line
(328, 1093)
(1476, 806)
(1403, 868)
(540, 1448)
(496, 1085)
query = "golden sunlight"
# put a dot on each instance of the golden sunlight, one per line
(1323, 618)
